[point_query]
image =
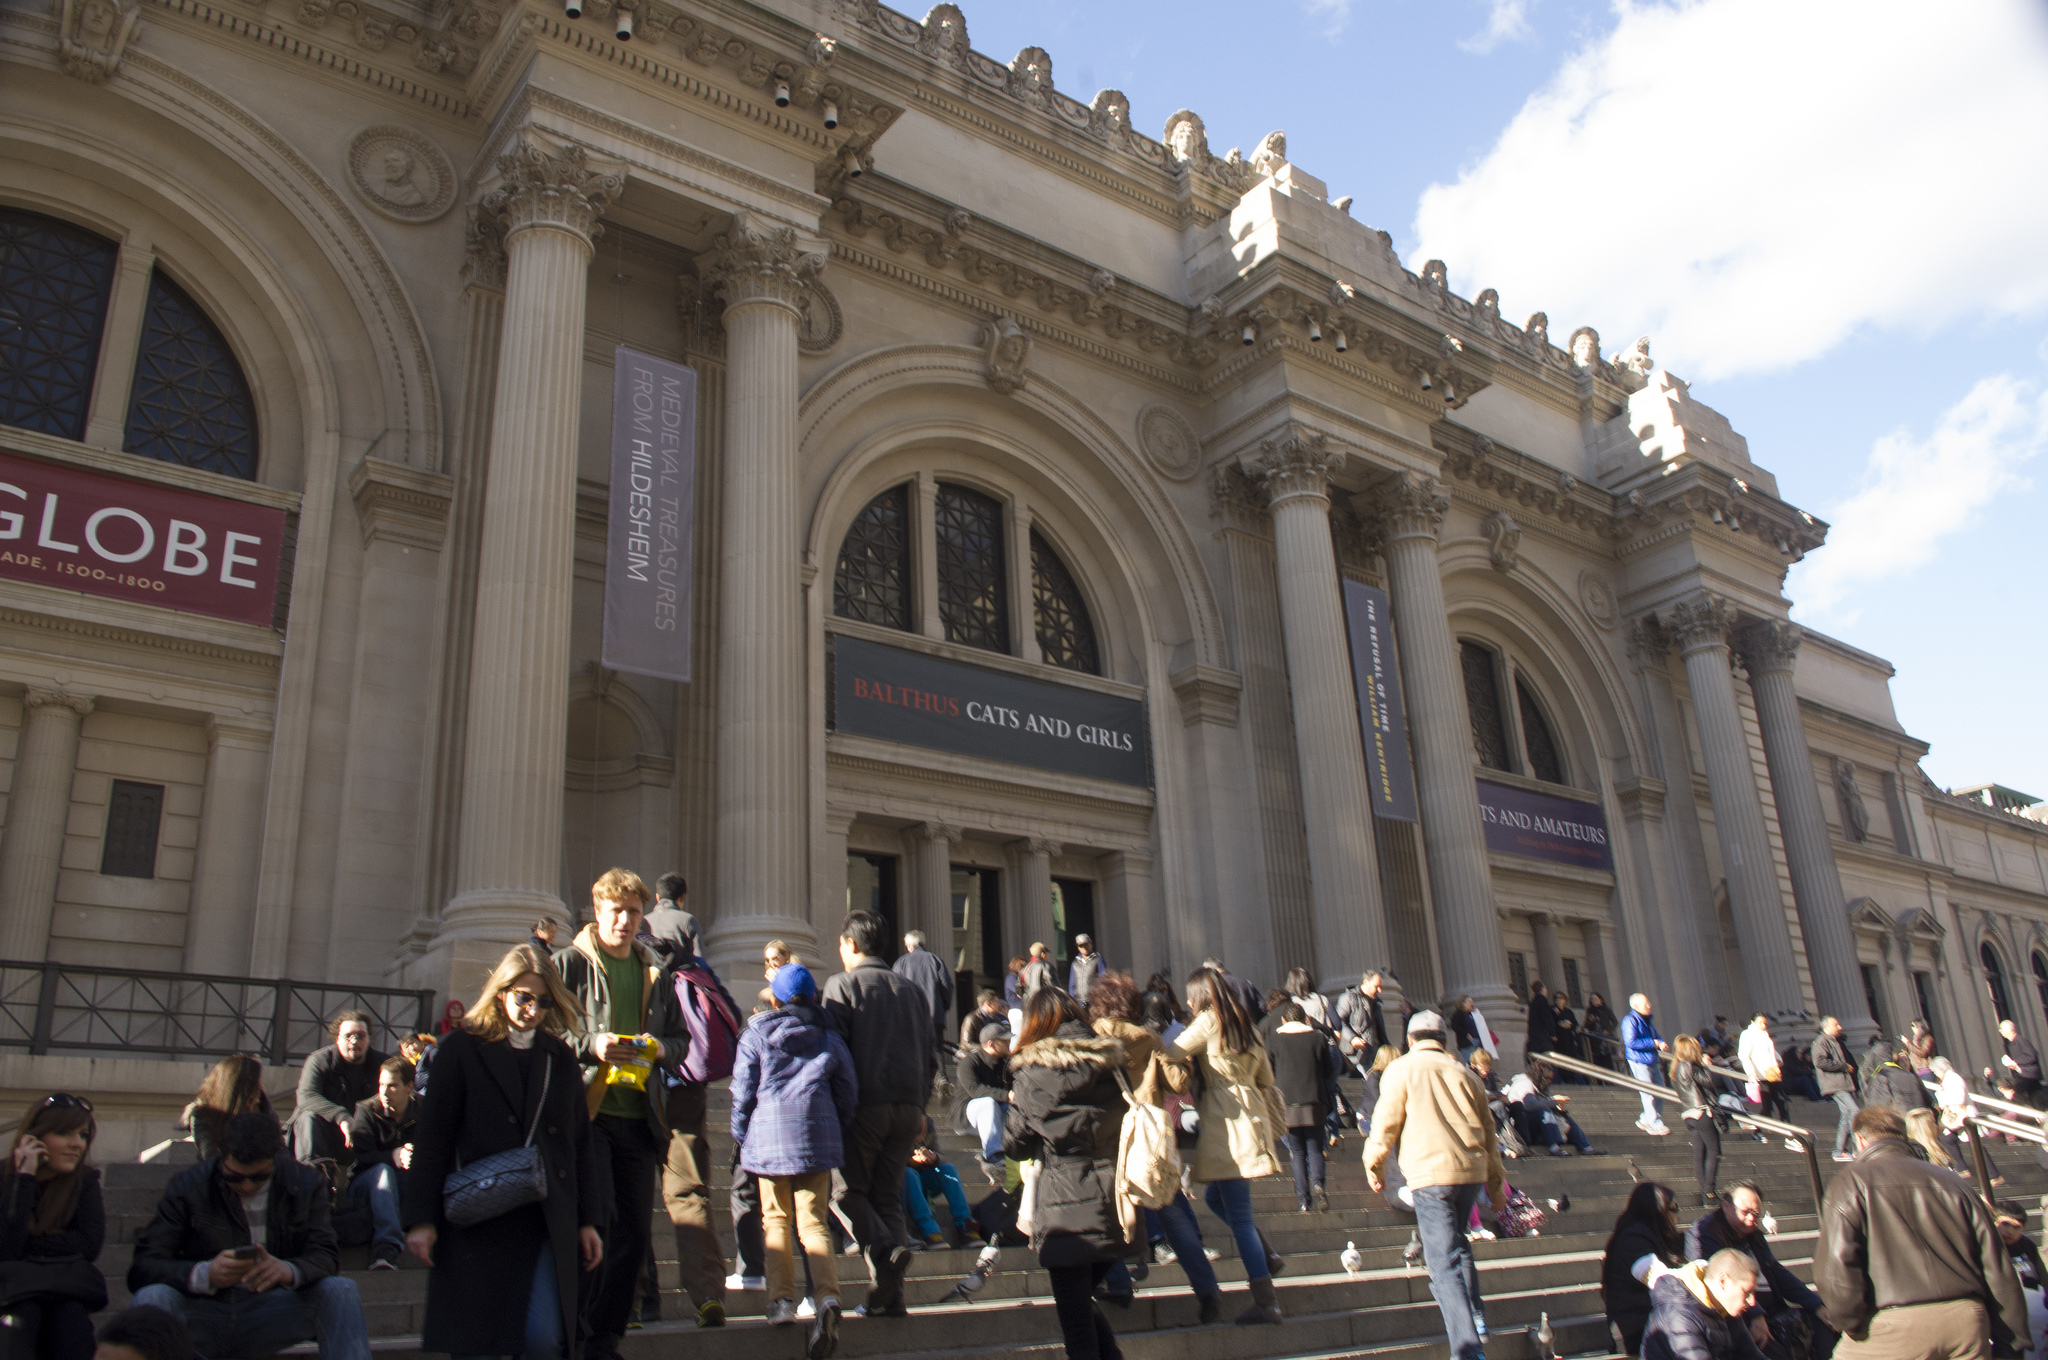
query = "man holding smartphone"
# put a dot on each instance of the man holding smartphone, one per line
(242, 1251)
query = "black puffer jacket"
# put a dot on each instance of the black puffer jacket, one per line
(199, 1218)
(1626, 1297)
(1682, 1327)
(1897, 1231)
(1066, 1113)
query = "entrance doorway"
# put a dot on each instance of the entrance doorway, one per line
(1073, 913)
(871, 886)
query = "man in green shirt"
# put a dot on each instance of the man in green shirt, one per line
(622, 991)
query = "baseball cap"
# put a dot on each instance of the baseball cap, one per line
(1083, 939)
(1422, 1021)
(793, 980)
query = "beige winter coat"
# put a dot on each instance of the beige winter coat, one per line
(1240, 1105)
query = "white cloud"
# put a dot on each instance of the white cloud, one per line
(1337, 12)
(1506, 21)
(1752, 181)
(1918, 491)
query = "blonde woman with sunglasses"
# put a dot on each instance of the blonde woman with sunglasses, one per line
(507, 1285)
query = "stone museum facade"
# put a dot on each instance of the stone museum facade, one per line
(1033, 456)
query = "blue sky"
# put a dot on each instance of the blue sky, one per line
(1830, 216)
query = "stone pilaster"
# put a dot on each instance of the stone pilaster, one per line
(508, 866)
(1769, 651)
(1700, 625)
(37, 808)
(1035, 861)
(1469, 944)
(1344, 883)
(934, 915)
(761, 270)
(221, 922)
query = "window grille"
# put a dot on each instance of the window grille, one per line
(54, 282)
(872, 582)
(1544, 761)
(1994, 982)
(972, 580)
(1482, 700)
(1571, 983)
(1066, 638)
(190, 404)
(134, 813)
(1518, 977)
(1871, 991)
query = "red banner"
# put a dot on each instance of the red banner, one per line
(79, 530)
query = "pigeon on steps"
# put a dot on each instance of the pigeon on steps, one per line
(1770, 1225)
(970, 1284)
(1412, 1253)
(1561, 1205)
(1546, 1340)
(1351, 1259)
(1635, 1176)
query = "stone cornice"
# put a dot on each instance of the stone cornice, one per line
(1888, 736)
(401, 505)
(925, 770)
(74, 616)
(137, 468)
(1207, 694)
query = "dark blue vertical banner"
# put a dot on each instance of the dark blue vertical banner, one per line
(1382, 720)
(650, 531)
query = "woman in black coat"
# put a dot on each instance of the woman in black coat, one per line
(506, 1286)
(53, 1223)
(1647, 1230)
(1066, 1113)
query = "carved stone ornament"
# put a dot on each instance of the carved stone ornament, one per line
(1855, 816)
(1168, 444)
(1636, 358)
(1413, 506)
(1187, 139)
(1031, 77)
(1109, 118)
(822, 323)
(945, 35)
(1585, 347)
(92, 35)
(553, 185)
(1503, 540)
(1648, 644)
(1771, 645)
(759, 260)
(1700, 621)
(401, 174)
(1271, 155)
(1234, 495)
(1295, 466)
(483, 253)
(1596, 597)
(1008, 346)
(1538, 330)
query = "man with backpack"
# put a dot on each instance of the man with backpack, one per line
(713, 1023)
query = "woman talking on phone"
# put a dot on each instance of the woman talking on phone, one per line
(52, 1225)
(505, 1284)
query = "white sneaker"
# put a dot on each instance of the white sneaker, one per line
(808, 1308)
(746, 1282)
(781, 1313)
(1657, 1130)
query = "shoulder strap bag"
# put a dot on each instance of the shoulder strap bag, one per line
(503, 1181)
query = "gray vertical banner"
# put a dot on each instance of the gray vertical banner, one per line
(653, 512)
(1382, 720)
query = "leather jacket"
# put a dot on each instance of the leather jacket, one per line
(1897, 1231)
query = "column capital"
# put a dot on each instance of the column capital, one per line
(939, 831)
(483, 250)
(1699, 622)
(1042, 845)
(1296, 466)
(37, 697)
(1648, 644)
(543, 183)
(761, 261)
(1412, 506)
(1771, 645)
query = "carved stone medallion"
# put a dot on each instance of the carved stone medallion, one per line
(1596, 597)
(822, 323)
(401, 174)
(1169, 445)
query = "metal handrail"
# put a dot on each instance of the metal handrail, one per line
(1995, 1102)
(1803, 1136)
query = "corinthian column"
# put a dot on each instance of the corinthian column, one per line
(37, 809)
(761, 270)
(1344, 881)
(1700, 626)
(1475, 961)
(1769, 650)
(508, 869)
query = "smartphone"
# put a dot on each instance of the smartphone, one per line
(248, 1253)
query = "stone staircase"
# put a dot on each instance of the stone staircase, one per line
(1384, 1310)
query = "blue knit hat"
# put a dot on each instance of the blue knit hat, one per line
(794, 982)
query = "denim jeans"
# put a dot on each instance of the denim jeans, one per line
(1647, 1072)
(237, 1322)
(1305, 1152)
(943, 1181)
(1441, 1213)
(1184, 1235)
(1845, 1101)
(377, 1186)
(1231, 1201)
(543, 1311)
(986, 1114)
(1560, 1128)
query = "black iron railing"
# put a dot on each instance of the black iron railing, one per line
(74, 1008)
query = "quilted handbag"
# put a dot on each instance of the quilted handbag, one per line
(503, 1181)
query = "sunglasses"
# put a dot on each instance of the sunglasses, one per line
(64, 1101)
(244, 1177)
(539, 1000)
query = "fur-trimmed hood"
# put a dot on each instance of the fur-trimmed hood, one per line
(1068, 1053)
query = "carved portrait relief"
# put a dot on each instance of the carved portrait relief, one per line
(401, 174)
(1168, 444)
(822, 322)
(1596, 597)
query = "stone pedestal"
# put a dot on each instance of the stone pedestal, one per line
(223, 912)
(1700, 625)
(508, 867)
(1770, 650)
(37, 808)
(1344, 884)
(1460, 884)
(761, 270)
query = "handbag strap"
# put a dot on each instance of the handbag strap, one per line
(547, 1070)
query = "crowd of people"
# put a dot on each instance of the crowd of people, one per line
(516, 1154)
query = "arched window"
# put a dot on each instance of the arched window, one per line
(973, 585)
(872, 581)
(1994, 981)
(190, 404)
(2041, 979)
(1482, 701)
(1544, 760)
(54, 282)
(1066, 637)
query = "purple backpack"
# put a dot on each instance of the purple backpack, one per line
(714, 1024)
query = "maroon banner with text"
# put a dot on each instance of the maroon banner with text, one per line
(133, 540)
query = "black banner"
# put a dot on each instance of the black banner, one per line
(1382, 720)
(900, 695)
